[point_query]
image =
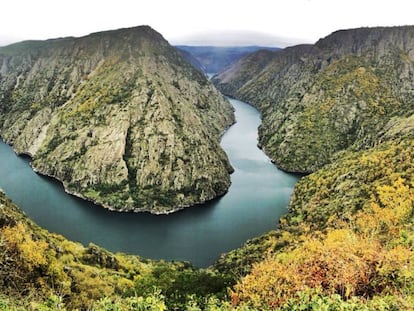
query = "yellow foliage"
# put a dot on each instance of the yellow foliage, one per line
(398, 197)
(341, 263)
(90, 284)
(61, 280)
(397, 260)
(32, 253)
(35, 106)
(371, 254)
(124, 286)
(392, 208)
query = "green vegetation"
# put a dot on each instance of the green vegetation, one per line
(350, 101)
(317, 102)
(42, 271)
(335, 250)
(347, 185)
(346, 244)
(368, 257)
(109, 85)
(103, 114)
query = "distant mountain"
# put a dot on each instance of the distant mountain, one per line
(213, 59)
(342, 109)
(119, 117)
(191, 59)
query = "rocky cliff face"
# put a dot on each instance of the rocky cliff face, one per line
(119, 117)
(343, 93)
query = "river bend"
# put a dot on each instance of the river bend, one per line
(258, 196)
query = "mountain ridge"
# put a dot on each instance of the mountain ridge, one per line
(96, 113)
(341, 111)
(347, 241)
(304, 91)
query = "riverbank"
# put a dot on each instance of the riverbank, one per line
(258, 196)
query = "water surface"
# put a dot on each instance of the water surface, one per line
(258, 196)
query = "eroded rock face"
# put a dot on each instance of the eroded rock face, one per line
(119, 117)
(318, 100)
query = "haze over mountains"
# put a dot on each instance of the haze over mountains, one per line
(214, 59)
(341, 112)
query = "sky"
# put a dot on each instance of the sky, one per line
(278, 23)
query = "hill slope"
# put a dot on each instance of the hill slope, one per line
(343, 93)
(119, 117)
(346, 244)
(44, 271)
(342, 109)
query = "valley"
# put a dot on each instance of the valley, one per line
(338, 112)
(257, 197)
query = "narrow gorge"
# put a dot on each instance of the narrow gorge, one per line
(136, 128)
(257, 197)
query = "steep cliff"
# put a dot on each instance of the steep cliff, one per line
(119, 117)
(316, 100)
(346, 243)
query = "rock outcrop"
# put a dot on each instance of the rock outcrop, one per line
(343, 93)
(119, 117)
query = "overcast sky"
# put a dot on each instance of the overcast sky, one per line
(206, 22)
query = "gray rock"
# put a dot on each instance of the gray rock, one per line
(119, 117)
(318, 100)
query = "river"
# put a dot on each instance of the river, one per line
(258, 196)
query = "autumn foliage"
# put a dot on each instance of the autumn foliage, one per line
(370, 255)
